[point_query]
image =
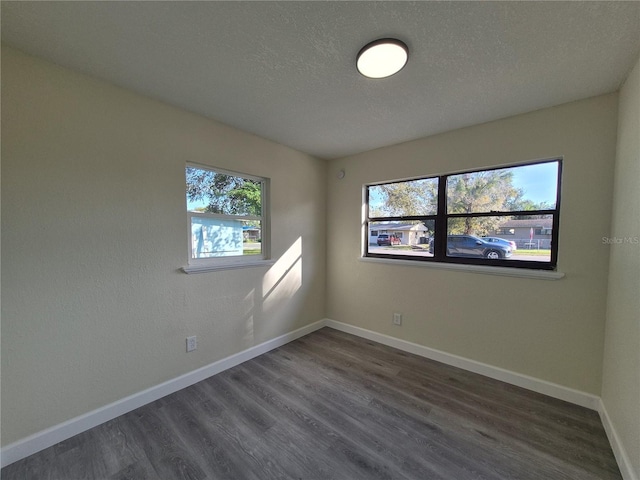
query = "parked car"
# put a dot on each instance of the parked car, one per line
(472, 246)
(386, 239)
(501, 241)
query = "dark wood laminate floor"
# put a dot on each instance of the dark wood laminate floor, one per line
(334, 406)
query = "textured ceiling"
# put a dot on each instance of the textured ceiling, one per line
(286, 70)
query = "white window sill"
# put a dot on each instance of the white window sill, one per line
(189, 269)
(502, 271)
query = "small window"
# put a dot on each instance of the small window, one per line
(227, 216)
(464, 217)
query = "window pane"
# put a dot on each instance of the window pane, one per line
(529, 187)
(403, 199)
(216, 237)
(485, 237)
(401, 238)
(213, 192)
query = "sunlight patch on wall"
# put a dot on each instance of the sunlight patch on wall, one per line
(284, 279)
(248, 311)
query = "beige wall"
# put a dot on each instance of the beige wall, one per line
(94, 231)
(551, 330)
(621, 375)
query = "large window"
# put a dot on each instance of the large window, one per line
(506, 216)
(227, 216)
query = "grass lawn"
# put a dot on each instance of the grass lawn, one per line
(526, 251)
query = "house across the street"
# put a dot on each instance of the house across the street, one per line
(529, 233)
(408, 233)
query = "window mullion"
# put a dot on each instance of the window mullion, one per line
(501, 214)
(440, 238)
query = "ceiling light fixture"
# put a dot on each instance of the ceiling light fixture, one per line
(382, 58)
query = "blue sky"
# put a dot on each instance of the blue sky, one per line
(537, 181)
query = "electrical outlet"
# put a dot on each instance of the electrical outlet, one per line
(192, 343)
(397, 319)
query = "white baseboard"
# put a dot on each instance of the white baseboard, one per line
(530, 383)
(624, 462)
(46, 438)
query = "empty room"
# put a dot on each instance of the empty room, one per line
(320, 240)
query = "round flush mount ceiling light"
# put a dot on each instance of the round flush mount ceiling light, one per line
(382, 58)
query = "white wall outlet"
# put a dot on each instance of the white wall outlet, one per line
(397, 319)
(192, 343)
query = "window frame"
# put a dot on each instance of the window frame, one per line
(441, 221)
(231, 261)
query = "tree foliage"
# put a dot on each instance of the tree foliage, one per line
(480, 192)
(528, 205)
(404, 199)
(476, 192)
(224, 194)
